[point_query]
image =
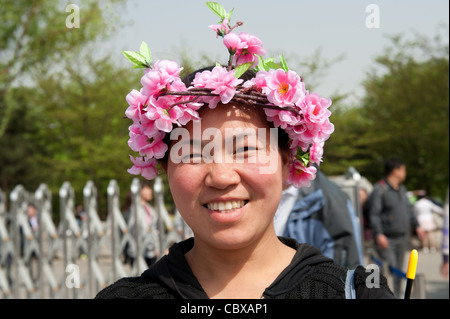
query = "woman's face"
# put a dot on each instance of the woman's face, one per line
(229, 202)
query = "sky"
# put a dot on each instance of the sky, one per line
(357, 30)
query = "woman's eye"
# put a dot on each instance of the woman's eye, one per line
(190, 157)
(245, 149)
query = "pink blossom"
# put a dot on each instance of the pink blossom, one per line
(248, 49)
(145, 167)
(316, 118)
(259, 80)
(137, 101)
(220, 29)
(159, 79)
(154, 83)
(167, 67)
(315, 108)
(281, 118)
(316, 151)
(233, 42)
(150, 146)
(284, 88)
(160, 111)
(301, 176)
(221, 81)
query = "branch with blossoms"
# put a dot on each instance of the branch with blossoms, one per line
(249, 96)
(164, 101)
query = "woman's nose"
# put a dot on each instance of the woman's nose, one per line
(222, 175)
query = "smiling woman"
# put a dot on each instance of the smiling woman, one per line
(228, 187)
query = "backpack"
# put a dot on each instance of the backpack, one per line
(323, 216)
(369, 202)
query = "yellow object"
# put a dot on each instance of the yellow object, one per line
(412, 265)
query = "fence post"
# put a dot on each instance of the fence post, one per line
(43, 198)
(70, 229)
(21, 235)
(117, 222)
(95, 235)
(6, 248)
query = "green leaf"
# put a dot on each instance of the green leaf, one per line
(303, 157)
(217, 9)
(228, 15)
(135, 58)
(145, 52)
(283, 63)
(273, 65)
(241, 69)
(140, 66)
(260, 66)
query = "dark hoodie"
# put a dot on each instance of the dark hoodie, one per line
(309, 275)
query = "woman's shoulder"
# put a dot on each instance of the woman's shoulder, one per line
(141, 287)
(332, 281)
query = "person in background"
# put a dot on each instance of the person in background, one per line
(424, 209)
(391, 215)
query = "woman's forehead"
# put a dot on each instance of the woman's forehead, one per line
(232, 114)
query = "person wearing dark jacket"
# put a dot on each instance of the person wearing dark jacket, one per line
(309, 275)
(226, 161)
(391, 216)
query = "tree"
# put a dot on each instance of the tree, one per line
(405, 113)
(34, 37)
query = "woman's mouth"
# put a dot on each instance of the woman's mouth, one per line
(226, 211)
(227, 206)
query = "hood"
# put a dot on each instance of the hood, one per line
(301, 265)
(173, 271)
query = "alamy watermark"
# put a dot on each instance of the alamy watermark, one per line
(238, 145)
(73, 277)
(73, 19)
(373, 19)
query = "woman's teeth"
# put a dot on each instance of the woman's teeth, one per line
(225, 207)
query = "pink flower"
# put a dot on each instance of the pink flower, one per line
(160, 78)
(284, 88)
(145, 167)
(233, 42)
(160, 111)
(259, 80)
(315, 108)
(137, 101)
(316, 151)
(154, 83)
(301, 176)
(316, 118)
(150, 146)
(167, 67)
(281, 118)
(249, 47)
(220, 29)
(221, 81)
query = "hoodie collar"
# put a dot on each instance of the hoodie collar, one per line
(173, 271)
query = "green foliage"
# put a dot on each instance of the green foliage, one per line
(219, 10)
(405, 113)
(140, 60)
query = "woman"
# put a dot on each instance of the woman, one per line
(226, 173)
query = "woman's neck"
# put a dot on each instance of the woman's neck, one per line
(239, 273)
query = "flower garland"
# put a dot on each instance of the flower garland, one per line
(165, 102)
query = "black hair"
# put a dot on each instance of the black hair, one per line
(391, 164)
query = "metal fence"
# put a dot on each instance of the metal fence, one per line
(76, 258)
